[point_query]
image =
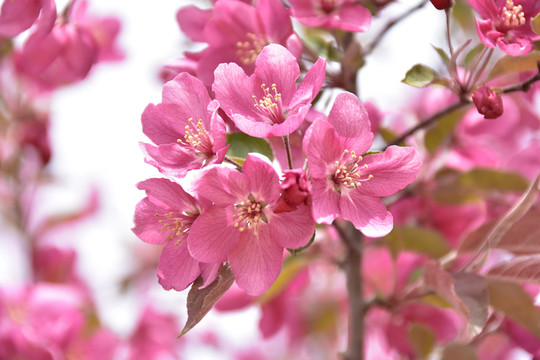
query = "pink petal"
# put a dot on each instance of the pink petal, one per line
(352, 17)
(167, 194)
(322, 147)
(17, 16)
(176, 268)
(212, 235)
(192, 21)
(368, 214)
(172, 159)
(263, 179)
(292, 229)
(325, 202)
(275, 19)
(310, 86)
(256, 261)
(392, 170)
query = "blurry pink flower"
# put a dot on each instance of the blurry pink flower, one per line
(242, 226)
(165, 217)
(237, 32)
(186, 127)
(507, 24)
(488, 102)
(67, 53)
(268, 103)
(347, 184)
(17, 16)
(332, 14)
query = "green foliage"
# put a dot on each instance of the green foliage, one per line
(418, 239)
(420, 76)
(422, 340)
(441, 130)
(509, 64)
(535, 24)
(242, 144)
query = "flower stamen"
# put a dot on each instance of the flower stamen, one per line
(197, 138)
(347, 172)
(270, 105)
(249, 214)
(248, 50)
(512, 15)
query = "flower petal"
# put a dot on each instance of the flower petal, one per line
(176, 268)
(368, 214)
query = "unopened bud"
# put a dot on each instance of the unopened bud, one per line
(295, 187)
(488, 102)
(442, 4)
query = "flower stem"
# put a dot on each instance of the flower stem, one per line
(288, 149)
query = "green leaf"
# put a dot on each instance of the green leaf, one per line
(508, 64)
(421, 339)
(535, 24)
(441, 130)
(445, 58)
(242, 144)
(200, 301)
(493, 179)
(420, 76)
(422, 240)
(515, 302)
(388, 136)
(473, 53)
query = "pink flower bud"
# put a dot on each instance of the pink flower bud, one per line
(488, 102)
(295, 187)
(442, 4)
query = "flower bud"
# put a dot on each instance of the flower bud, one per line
(442, 4)
(488, 102)
(295, 187)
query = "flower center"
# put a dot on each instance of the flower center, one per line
(248, 50)
(270, 105)
(347, 172)
(197, 138)
(512, 15)
(328, 6)
(249, 214)
(176, 225)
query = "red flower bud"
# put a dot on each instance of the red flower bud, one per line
(488, 102)
(442, 4)
(295, 187)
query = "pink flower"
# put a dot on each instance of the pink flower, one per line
(17, 16)
(332, 14)
(350, 185)
(237, 32)
(507, 24)
(268, 103)
(165, 217)
(242, 226)
(488, 102)
(185, 126)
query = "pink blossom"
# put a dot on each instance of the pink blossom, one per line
(237, 32)
(488, 102)
(507, 24)
(268, 103)
(186, 127)
(332, 14)
(165, 217)
(350, 185)
(17, 16)
(242, 226)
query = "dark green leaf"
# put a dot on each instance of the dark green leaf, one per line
(242, 144)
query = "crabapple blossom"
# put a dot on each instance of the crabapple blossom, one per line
(242, 226)
(346, 183)
(17, 16)
(488, 102)
(507, 24)
(268, 103)
(165, 217)
(332, 14)
(186, 127)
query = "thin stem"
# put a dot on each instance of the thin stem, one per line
(229, 160)
(478, 72)
(448, 39)
(389, 25)
(288, 149)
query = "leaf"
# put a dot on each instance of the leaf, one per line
(467, 293)
(417, 239)
(521, 239)
(419, 76)
(242, 144)
(300, 249)
(440, 131)
(421, 339)
(444, 57)
(522, 269)
(492, 179)
(508, 64)
(200, 301)
(459, 351)
(472, 54)
(515, 302)
(535, 24)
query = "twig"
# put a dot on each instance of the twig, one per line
(229, 160)
(288, 150)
